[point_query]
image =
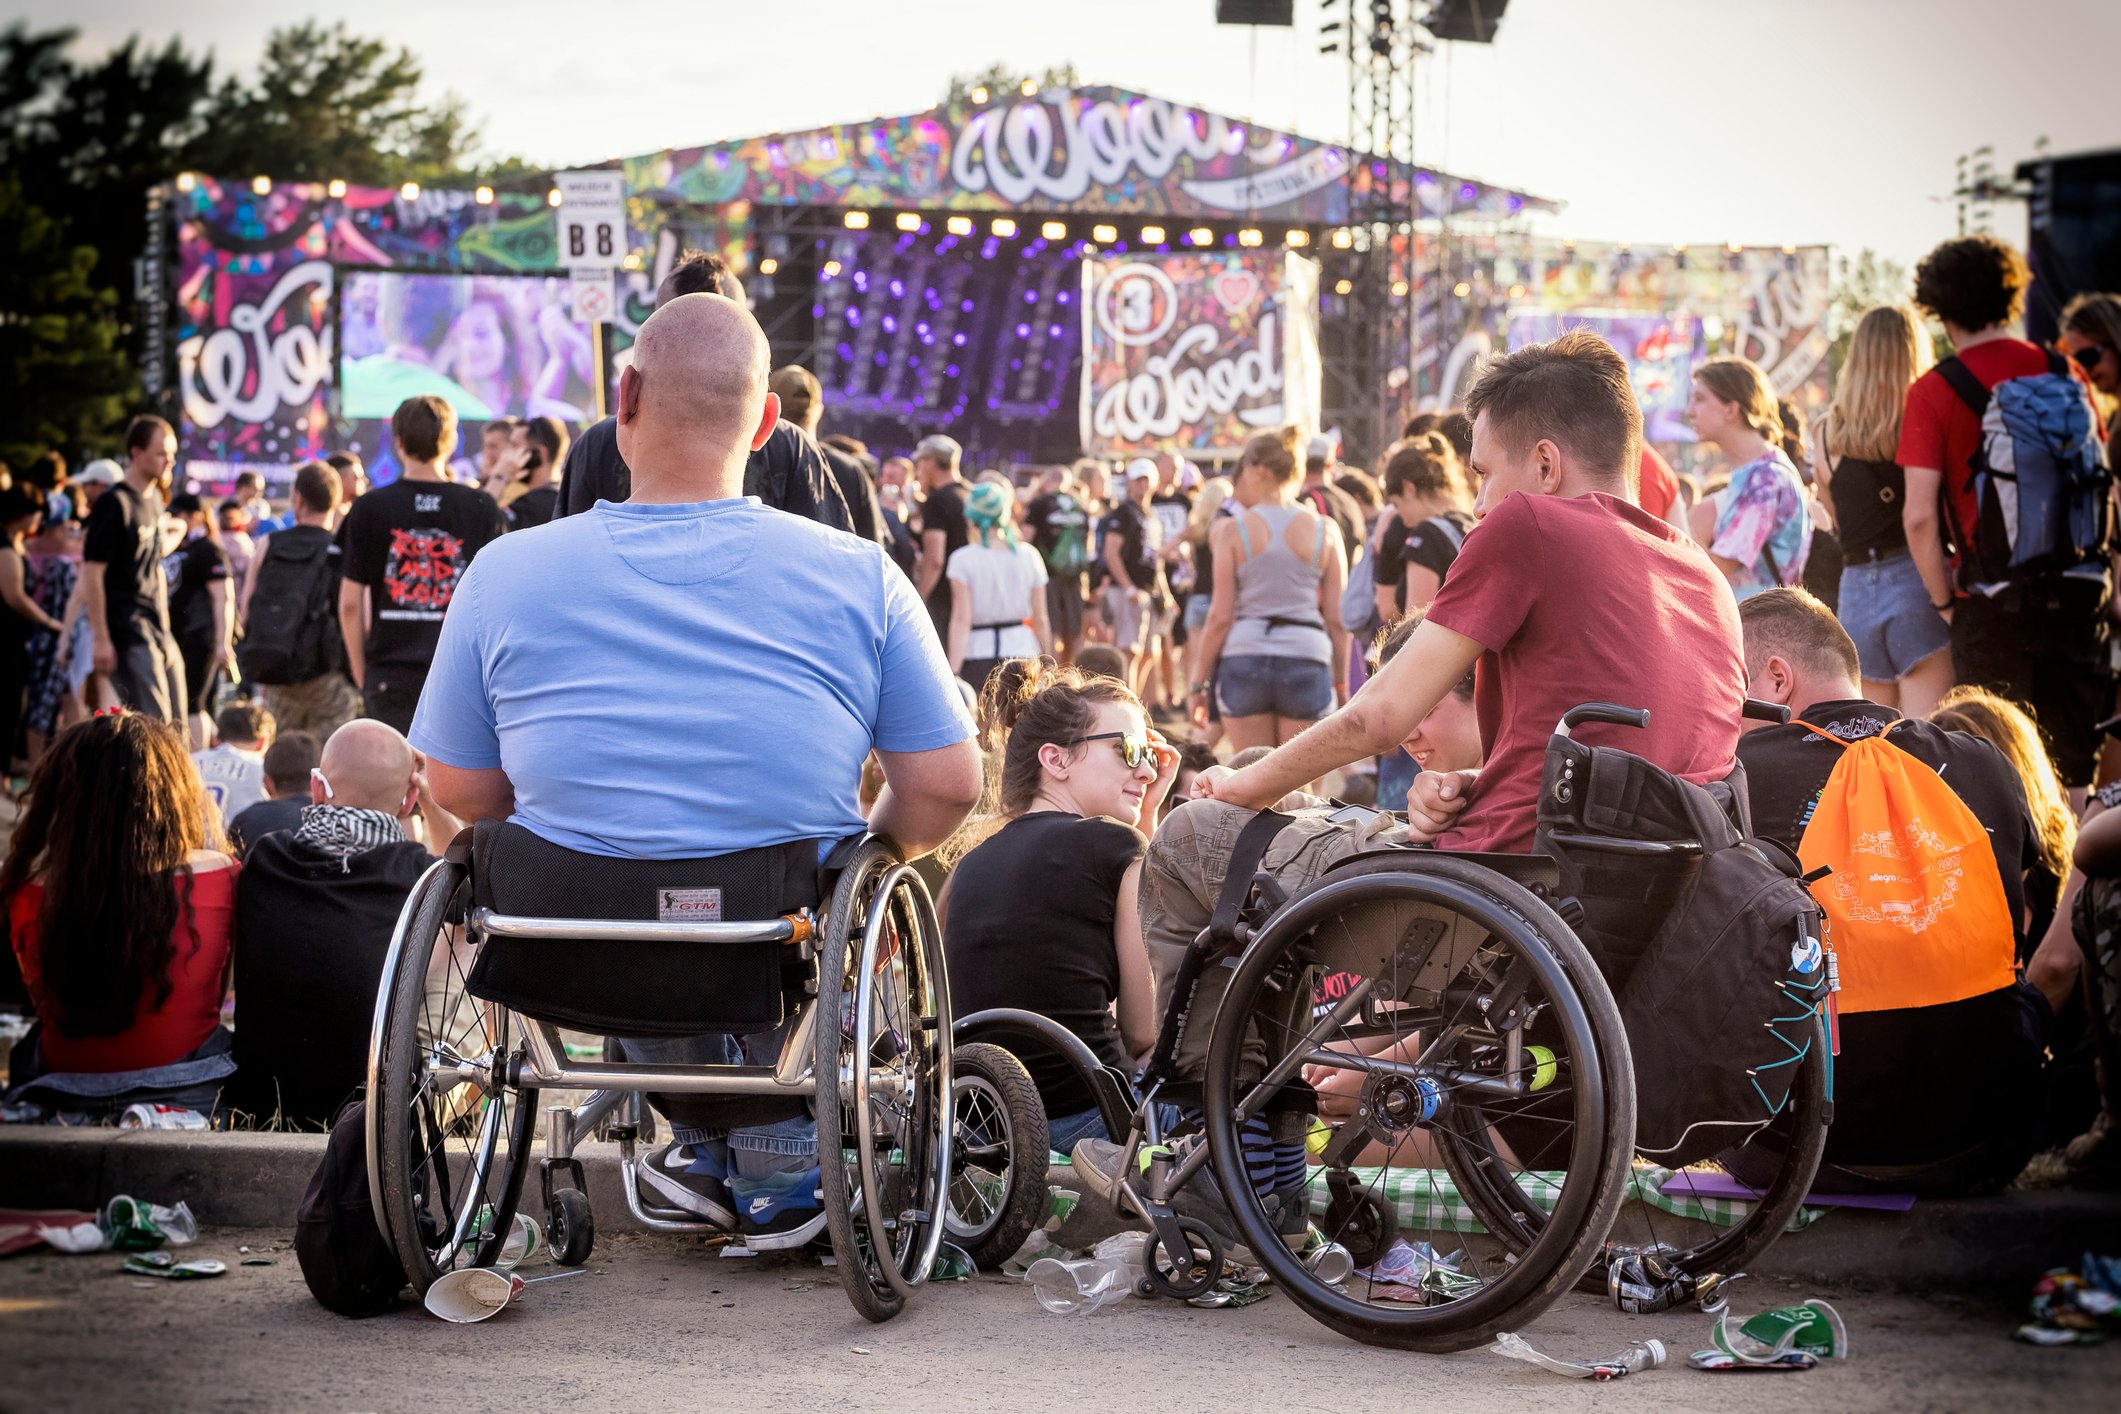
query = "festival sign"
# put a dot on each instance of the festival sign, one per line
(1195, 351)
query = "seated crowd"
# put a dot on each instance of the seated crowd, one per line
(1501, 585)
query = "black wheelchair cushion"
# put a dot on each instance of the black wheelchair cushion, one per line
(646, 988)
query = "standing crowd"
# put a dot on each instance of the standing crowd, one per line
(249, 730)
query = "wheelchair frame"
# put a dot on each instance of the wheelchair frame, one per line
(898, 925)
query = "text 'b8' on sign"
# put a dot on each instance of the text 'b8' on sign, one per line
(591, 218)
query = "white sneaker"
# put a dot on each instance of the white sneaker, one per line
(662, 1176)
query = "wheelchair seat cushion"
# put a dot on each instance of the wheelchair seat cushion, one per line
(637, 988)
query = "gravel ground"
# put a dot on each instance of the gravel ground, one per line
(661, 1323)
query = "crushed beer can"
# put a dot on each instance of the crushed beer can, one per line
(1785, 1338)
(161, 1117)
(1643, 1280)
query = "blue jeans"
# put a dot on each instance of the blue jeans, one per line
(1063, 1131)
(755, 1150)
(1255, 685)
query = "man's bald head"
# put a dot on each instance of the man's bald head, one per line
(694, 398)
(370, 766)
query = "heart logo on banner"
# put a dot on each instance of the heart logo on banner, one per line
(1236, 289)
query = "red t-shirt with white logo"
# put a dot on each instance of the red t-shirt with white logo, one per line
(1588, 599)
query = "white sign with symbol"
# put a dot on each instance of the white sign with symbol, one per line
(592, 218)
(593, 295)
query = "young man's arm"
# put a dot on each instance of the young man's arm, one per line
(469, 795)
(1380, 717)
(104, 655)
(1925, 535)
(928, 570)
(1116, 562)
(353, 628)
(926, 795)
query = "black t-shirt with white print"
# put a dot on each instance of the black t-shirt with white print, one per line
(410, 543)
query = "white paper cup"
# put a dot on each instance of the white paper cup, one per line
(473, 1294)
(522, 1244)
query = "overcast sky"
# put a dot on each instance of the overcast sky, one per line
(1765, 121)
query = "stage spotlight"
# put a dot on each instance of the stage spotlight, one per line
(1003, 227)
(959, 225)
(908, 221)
(1028, 87)
(979, 95)
(1735, 248)
(769, 266)
(1297, 240)
(1345, 287)
(1516, 292)
(829, 269)
(1399, 289)
(1201, 235)
(411, 192)
(1789, 250)
(1152, 235)
(1104, 235)
(186, 181)
(1342, 239)
(1054, 230)
(1461, 289)
(553, 197)
(856, 220)
(335, 188)
(1249, 236)
(261, 185)
(483, 196)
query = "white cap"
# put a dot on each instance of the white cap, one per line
(1142, 467)
(1317, 447)
(100, 472)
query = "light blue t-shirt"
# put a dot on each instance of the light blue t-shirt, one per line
(671, 682)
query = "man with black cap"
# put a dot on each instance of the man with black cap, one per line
(788, 473)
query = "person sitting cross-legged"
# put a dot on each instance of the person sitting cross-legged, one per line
(315, 908)
(1936, 1088)
(709, 685)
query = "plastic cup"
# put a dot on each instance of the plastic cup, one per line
(472, 1295)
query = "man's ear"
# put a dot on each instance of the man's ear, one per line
(629, 407)
(768, 420)
(1778, 680)
(1549, 457)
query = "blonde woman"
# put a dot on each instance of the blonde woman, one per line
(1763, 529)
(1903, 645)
(2004, 725)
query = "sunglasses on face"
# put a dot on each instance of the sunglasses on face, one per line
(2090, 356)
(1133, 747)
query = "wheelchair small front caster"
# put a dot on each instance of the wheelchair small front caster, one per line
(1185, 1276)
(569, 1227)
(1358, 1221)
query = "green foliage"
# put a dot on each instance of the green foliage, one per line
(66, 377)
(1000, 81)
(1861, 284)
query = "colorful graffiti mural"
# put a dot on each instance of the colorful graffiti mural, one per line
(1196, 351)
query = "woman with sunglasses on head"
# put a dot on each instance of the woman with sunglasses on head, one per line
(2091, 336)
(120, 906)
(1042, 912)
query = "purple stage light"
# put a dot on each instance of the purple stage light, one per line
(958, 340)
(890, 325)
(965, 305)
(898, 289)
(951, 370)
(1031, 297)
(1061, 298)
(1468, 191)
(1054, 330)
(854, 317)
(1023, 331)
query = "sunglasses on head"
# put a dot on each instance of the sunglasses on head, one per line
(1133, 747)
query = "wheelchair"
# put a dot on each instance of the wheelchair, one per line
(1408, 1013)
(509, 938)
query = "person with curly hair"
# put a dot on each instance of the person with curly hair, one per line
(2041, 640)
(120, 904)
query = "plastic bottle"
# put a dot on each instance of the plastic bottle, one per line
(1109, 1274)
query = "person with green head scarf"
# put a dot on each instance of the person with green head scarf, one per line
(997, 589)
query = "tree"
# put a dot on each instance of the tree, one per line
(67, 379)
(1860, 284)
(998, 79)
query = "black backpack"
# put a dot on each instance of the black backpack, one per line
(292, 633)
(1719, 1002)
(345, 1258)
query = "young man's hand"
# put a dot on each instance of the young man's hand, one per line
(1435, 800)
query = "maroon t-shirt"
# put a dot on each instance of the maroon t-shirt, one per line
(1588, 599)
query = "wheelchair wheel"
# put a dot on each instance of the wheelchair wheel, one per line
(449, 1139)
(1781, 1160)
(884, 1083)
(998, 1159)
(1385, 999)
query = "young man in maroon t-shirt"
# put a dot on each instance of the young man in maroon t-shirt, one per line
(1565, 592)
(2039, 641)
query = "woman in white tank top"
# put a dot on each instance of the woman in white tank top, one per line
(1273, 647)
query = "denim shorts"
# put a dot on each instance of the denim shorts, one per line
(1197, 610)
(1254, 685)
(1886, 608)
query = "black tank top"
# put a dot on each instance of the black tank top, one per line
(1867, 496)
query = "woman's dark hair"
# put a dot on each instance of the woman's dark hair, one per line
(1275, 450)
(46, 472)
(1975, 282)
(1425, 465)
(1454, 426)
(1028, 703)
(115, 810)
(19, 501)
(1362, 486)
(1793, 437)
